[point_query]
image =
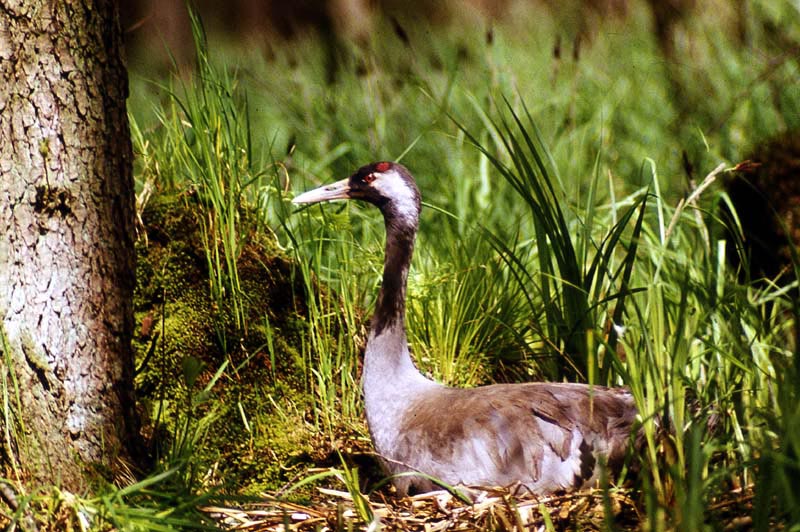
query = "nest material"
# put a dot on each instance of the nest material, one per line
(493, 509)
(436, 511)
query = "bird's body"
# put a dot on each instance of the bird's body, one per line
(542, 437)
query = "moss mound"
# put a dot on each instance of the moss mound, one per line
(233, 401)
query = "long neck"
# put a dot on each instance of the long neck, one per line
(390, 310)
(389, 377)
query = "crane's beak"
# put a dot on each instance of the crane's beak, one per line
(338, 190)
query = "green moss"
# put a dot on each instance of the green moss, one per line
(252, 426)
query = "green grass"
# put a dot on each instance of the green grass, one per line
(554, 241)
(631, 288)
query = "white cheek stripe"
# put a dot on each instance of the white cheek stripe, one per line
(391, 185)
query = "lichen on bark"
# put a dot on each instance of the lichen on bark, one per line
(66, 250)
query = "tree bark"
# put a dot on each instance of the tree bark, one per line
(66, 239)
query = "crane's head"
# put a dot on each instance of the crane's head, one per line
(387, 185)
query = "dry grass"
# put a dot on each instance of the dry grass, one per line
(491, 510)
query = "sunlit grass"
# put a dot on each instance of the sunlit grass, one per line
(558, 252)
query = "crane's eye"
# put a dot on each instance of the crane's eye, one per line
(369, 178)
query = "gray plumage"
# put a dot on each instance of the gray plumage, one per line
(541, 437)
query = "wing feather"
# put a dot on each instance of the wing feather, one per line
(546, 436)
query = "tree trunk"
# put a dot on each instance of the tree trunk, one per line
(66, 240)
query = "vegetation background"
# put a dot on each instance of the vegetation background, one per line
(590, 172)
